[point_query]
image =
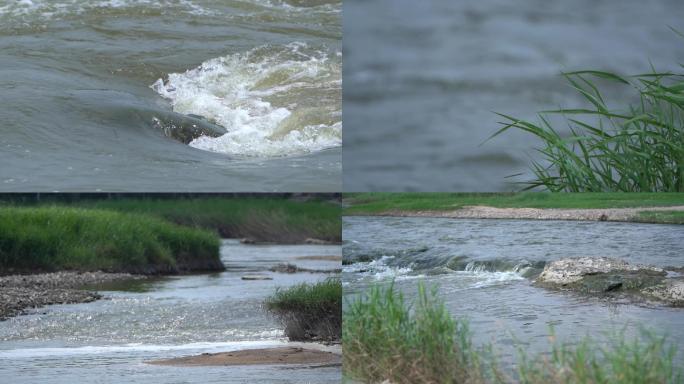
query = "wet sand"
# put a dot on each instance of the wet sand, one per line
(484, 212)
(323, 357)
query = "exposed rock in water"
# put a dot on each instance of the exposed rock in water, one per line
(291, 268)
(186, 128)
(568, 271)
(613, 277)
(256, 277)
(670, 292)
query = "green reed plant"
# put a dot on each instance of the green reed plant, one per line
(309, 311)
(649, 359)
(62, 238)
(384, 338)
(638, 149)
(387, 339)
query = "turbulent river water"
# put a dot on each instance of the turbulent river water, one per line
(109, 340)
(423, 78)
(94, 92)
(484, 271)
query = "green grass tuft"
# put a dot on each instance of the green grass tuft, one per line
(384, 338)
(59, 238)
(639, 361)
(637, 149)
(310, 311)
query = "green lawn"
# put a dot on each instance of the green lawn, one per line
(373, 203)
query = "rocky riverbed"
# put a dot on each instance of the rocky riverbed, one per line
(613, 277)
(21, 292)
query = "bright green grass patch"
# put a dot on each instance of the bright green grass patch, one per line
(310, 311)
(638, 148)
(262, 219)
(662, 217)
(58, 238)
(385, 338)
(373, 203)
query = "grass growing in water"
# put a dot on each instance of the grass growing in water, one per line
(385, 338)
(310, 311)
(58, 238)
(640, 149)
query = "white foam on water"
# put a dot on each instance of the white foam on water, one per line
(379, 270)
(236, 92)
(52, 9)
(137, 347)
(481, 279)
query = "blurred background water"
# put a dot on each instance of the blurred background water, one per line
(423, 78)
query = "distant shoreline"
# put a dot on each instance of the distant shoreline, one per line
(658, 215)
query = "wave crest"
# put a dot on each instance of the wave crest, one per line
(272, 100)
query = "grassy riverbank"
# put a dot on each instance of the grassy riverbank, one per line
(260, 219)
(310, 312)
(375, 203)
(385, 338)
(55, 238)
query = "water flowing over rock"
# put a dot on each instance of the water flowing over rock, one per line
(610, 277)
(567, 271)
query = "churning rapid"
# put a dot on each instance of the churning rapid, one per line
(485, 271)
(201, 95)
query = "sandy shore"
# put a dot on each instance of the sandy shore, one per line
(323, 356)
(21, 292)
(484, 212)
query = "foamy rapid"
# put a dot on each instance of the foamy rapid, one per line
(379, 270)
(139, 347)
(50, 9)
(272, 100)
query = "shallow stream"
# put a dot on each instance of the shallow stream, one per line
(109, 340)
(484, 270)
